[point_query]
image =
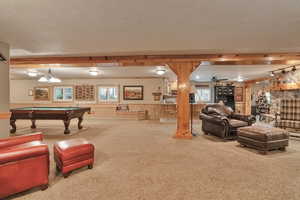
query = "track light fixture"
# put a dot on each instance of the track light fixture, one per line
(284, 70)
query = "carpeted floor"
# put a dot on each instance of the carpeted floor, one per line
(139, 160)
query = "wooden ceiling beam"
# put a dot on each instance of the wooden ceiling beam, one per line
(218, 59)
(53, 65)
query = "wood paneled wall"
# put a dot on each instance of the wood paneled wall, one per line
(154, 111)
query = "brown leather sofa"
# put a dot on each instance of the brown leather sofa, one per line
(221, 121)
(24, 164)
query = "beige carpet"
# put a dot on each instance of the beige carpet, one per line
(139, 160)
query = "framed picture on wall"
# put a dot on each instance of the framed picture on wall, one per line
(239, 94)
(84, 92)
(63, 93)
(133, 92)
(41, 94)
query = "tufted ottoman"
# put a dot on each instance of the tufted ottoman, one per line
(263, 138)
(73, 154)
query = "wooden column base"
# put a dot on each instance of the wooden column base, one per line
(183, 135)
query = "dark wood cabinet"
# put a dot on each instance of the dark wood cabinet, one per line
(225, 94)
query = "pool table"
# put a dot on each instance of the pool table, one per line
(48, 113)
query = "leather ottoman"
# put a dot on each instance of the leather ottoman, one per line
(263, 138)
(73, 154)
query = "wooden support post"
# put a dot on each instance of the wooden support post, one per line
(248, 90)
(183, 72)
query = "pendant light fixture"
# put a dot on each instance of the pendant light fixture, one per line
(49, 78)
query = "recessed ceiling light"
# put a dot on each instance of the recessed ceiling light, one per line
(93, 72)
(32, 73)
(240, 79)
(160, 71)
(197, 77)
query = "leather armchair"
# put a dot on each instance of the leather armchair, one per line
(24, 164)
(221, 121)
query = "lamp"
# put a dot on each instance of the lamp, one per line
(49, 78)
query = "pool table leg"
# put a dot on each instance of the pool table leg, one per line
(33, 126)
(13, 126)
(67, 124)
(80, 119)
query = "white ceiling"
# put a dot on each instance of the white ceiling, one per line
(233, 72)
(83, 72)
(101, 27)
(201, 74)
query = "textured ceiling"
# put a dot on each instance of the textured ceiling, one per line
(98, 27)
